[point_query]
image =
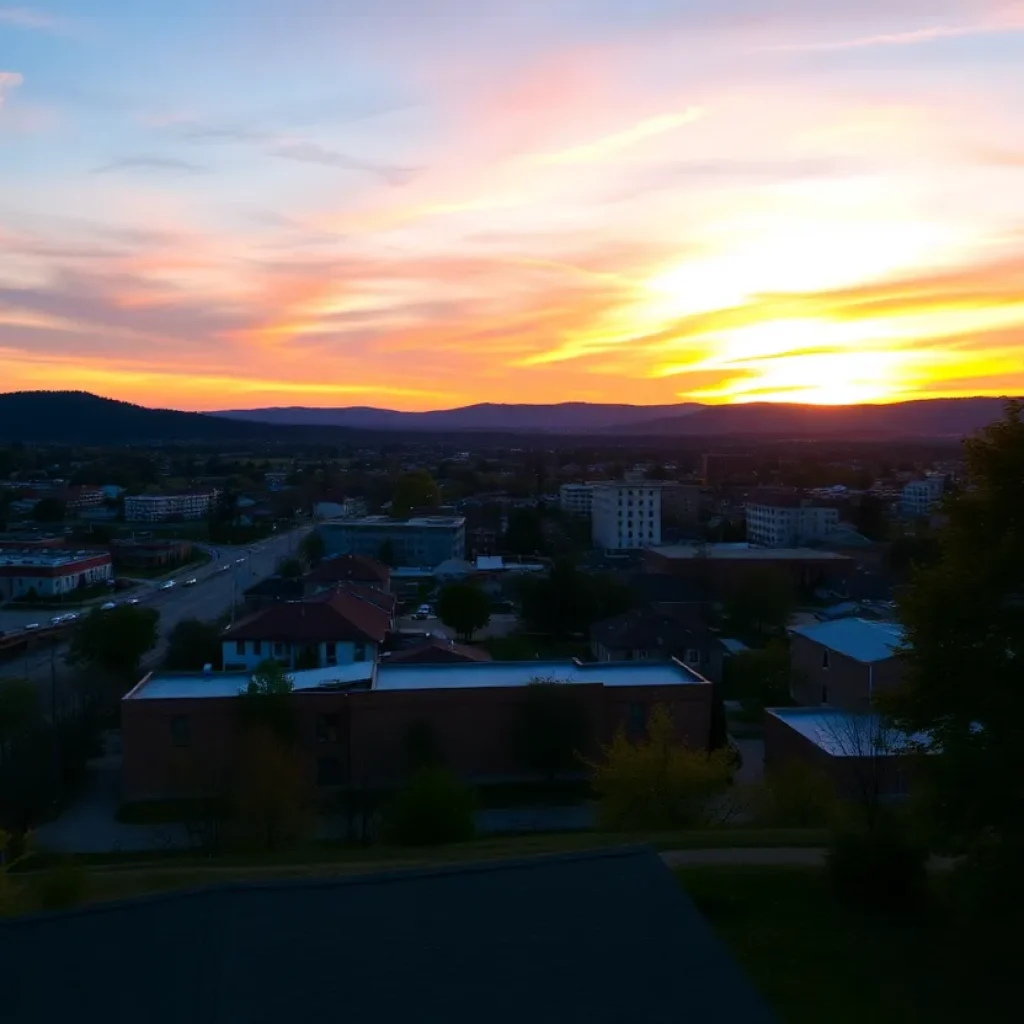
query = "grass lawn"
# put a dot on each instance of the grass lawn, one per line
(815, 961)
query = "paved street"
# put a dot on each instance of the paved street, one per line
(230, 572)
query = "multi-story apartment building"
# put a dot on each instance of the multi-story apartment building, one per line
(919, 497)
(576, 499)
(419, 541)
(626, 514)
(50, 572)
(783, 526)
(153, 508)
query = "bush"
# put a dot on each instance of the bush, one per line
(435, 807)
(794, 795)
(880, 867)
(59, 888)
(656, 782)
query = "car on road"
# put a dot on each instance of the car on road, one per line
(167, 585)
(56, 620)
(190, 582)
(32, 625)
(132, 600)
(239, 561)
(108, 606)
(224, 568)
(423, 612)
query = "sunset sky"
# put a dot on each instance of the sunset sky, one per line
(410, 203)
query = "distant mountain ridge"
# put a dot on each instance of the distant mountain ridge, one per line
(936, 417)
(564, 417)
(78, 417)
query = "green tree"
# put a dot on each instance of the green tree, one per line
(525, 533)
(19, 711)
(290, 568)
(272, 790)
(464, 607)
(567, 601)
(964, 619)
(871, 518)
(115, 641)
(760, 677)
(192, 645)
(386, 554)
(266, 702)
(657, 783)
(434, 807)
(49, 510)
(414, 490)
(761, 602)
(312, 548)
(554, 727)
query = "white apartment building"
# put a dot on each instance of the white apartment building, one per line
(785, 526)
(919, 497)
(576, 499)
(154, 508)
(626, 514)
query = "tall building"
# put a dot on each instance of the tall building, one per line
(419, 541)
(920, 497)
(626, 514)
(153, 508)
(576, 499)
(783, 526)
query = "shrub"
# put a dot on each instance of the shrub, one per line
(435, 807)
(657, 783)
(794, 795)
(61, 887)
(879, 867)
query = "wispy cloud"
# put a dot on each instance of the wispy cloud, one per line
(314, 153)
(30, 18)
(8, 80)
(151, 163)
(911, 37)
(646, 129)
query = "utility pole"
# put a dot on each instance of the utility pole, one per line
(54, 724)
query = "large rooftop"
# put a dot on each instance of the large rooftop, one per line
(746, 552)
(861, 639)
(847, 734)
(46, 556)
(466, 675)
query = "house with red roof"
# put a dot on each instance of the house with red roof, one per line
(337, 627)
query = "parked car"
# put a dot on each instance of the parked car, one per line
(423, 612)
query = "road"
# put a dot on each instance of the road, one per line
(223, 580)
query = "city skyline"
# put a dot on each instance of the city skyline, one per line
(213, 205)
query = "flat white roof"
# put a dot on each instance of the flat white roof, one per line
(170, 686)
(518, 673)
(846, 734)
(471, 675)
(861, 639)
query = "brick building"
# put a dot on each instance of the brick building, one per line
(862, 757)
(50, 572)
(845, 662)
(354, 721)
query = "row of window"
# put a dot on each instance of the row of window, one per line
(280, 650)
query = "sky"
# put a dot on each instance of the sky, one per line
(417, 204)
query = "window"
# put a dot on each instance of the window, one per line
(331, 653)
(240, 647)
(328, 771)
(692, 656)
(824, 659)
(637, 717)
(181, 731)
(278, 650)
(257, 647)
(359, 652)
(824, 695)
(327, 728)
